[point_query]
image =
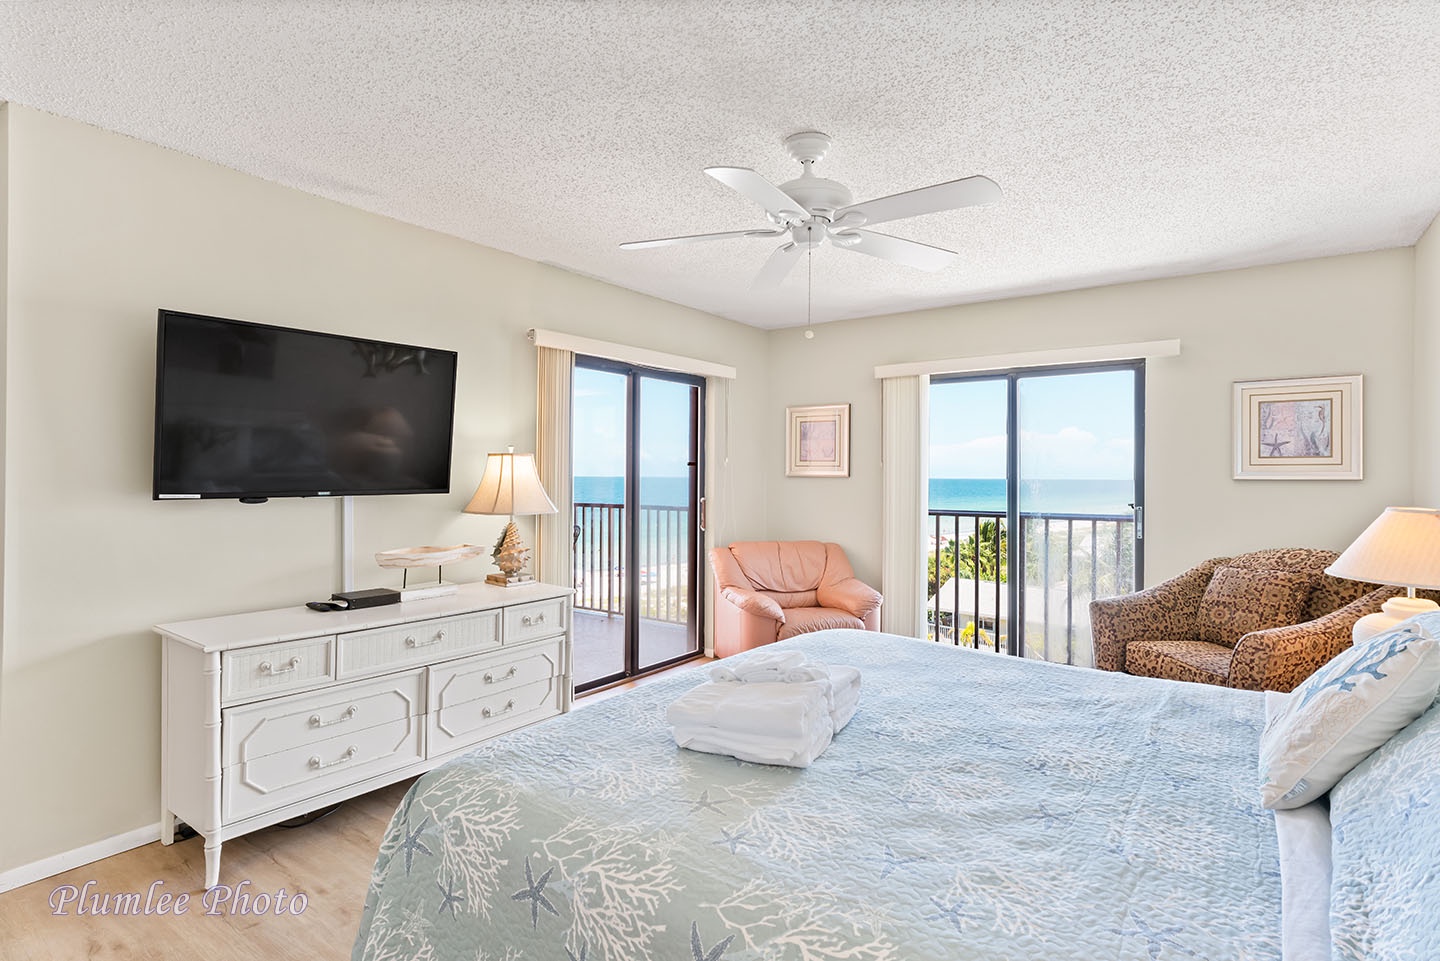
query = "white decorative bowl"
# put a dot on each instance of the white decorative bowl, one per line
(428, 556)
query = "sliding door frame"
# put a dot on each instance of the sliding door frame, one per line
(633, 373)
(1015, 536)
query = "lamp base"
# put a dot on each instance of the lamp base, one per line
(1392, 612)
(509, 580)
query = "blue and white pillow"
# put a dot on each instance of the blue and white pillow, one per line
(1385, 845)
(1345, 710)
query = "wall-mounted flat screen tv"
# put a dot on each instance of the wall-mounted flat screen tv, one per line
(253, 411)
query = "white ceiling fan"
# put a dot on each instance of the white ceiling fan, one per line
(812, 209)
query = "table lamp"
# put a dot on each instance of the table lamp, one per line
(510, 486)
(1400, 548)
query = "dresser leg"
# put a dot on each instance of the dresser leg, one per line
(167, 826)
(212, 863)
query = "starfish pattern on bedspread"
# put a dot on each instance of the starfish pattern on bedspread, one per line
(733, 841)
(1155, 941)
(894, 862)
(918, 836)
(448, 898)
(534, 892)
(697, 947)
(953, 913)
(412, 842)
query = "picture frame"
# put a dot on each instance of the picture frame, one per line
(1303, 428)
(817, 441)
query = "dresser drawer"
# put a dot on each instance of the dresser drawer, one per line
(254, 672)
(268, 727)
(528, 621)
(477, 677)
(457, 724)
(260, 784)
(368, 652)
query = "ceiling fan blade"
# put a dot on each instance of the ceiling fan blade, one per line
(745, 181)
(697, 238)
(777, 267)
(907, 252)
(926, 200)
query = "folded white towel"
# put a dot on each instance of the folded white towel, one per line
(757, 748)
(846, 703)
(782, 710)
(757, 666)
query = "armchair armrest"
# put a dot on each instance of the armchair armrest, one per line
(1168, 609)
(1280, 658)
(851, 595)
(753, 603)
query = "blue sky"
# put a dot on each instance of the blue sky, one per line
(599, 426)
(1071, 426)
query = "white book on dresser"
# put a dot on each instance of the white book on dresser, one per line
(268, 715)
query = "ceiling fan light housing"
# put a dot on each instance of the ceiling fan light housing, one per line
(817, 194)
(808, 234)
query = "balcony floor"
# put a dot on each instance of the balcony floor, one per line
(600, 644)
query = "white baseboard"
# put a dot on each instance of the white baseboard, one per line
(65, 861)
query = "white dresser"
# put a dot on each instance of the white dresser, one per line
(271, 714)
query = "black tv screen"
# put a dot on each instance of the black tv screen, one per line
(253, 411)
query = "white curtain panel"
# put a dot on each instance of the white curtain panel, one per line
(554, 374)
(904, 447)
(719, 484)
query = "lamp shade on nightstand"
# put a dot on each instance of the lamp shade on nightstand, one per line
(1400, 548)
(510, 485)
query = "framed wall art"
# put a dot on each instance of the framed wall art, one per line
(817, 441)
(1306, 428)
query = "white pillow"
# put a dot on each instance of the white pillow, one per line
(1344, 711)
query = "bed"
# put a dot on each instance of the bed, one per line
(977, 807)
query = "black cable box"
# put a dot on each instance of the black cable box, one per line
(374, 597)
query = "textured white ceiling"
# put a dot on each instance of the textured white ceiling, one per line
(1132, 139)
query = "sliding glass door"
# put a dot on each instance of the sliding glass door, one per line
(1036, 505)
(636, 456)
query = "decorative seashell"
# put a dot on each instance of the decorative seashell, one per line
(428, 556)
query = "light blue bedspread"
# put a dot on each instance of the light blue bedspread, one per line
(978, 808)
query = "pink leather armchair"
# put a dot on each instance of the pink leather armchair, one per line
(766, 591)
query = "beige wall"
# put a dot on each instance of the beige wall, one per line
(1426, 440)
(104, 230)
(1340, 315)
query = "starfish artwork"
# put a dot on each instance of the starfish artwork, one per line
(534, 892)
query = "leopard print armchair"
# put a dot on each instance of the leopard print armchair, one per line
(1259, 621)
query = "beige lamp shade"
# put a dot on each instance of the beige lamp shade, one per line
(510, 485)
(1401, 548)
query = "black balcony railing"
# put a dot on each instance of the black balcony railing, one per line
(1068, 560)
(598, 554)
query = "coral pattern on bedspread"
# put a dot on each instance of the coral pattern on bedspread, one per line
(977, 808)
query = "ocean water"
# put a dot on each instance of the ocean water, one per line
(654, 491)
(946, 493)
(1036, 496)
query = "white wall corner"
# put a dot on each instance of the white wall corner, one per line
(1425, 378)
(79, 857)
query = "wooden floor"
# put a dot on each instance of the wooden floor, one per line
(328, 861)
